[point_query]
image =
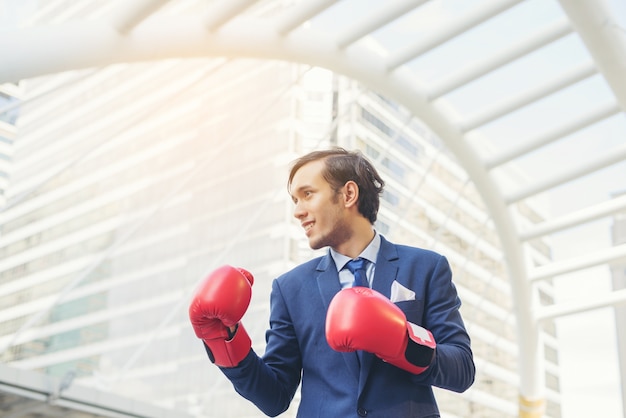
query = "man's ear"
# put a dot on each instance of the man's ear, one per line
(350, 194)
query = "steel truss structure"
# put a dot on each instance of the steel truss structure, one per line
(365, 45)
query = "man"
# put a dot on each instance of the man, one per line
(372, 348)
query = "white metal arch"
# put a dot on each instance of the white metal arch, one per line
(227, 29)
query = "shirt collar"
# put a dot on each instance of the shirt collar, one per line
(370, 253)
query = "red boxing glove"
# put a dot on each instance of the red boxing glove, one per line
(219, 303)
(360, 318)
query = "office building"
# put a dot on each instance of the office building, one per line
(136, 180)
(9, 111)
(618, 274)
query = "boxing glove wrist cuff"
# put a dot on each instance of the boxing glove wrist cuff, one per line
(419, 351)
(229, 353)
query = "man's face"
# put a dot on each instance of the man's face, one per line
(318, 208)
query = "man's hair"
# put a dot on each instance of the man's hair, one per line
(341, 166)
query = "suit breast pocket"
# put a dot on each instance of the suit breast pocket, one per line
(413, 309)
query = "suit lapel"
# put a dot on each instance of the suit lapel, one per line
(384, 275)
(386, 268)
(328, 285)
(327, 279)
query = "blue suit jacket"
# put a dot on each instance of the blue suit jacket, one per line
(333, 383)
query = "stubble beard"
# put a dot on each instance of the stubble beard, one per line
(339, 233)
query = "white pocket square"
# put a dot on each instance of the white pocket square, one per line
(400, 293)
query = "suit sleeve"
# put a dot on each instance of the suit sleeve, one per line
(271, 382)
(453, 367)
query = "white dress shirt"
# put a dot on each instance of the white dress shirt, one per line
(370, 253)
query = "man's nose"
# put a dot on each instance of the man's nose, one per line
(298, 211)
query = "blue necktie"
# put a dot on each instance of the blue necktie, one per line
(357, 268)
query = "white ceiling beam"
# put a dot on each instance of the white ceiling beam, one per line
(605, 39)
(449, 31)
(217, 16)
(580, 169)
(510, 53)
(127, 15)
(579, 217)
(557, 268)
(299, 14)
(387, 13)
(615, 298)
(573, 125)
(30, 52)
(529, 96)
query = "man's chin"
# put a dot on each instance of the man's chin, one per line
(316, 244)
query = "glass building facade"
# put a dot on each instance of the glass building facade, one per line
(618, 276)
(181, 168)
(9, 112)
